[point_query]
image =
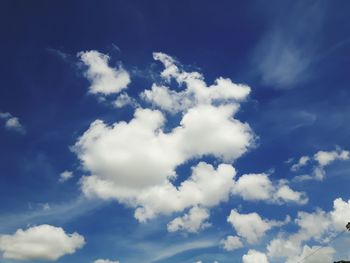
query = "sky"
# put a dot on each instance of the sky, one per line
(174, 131)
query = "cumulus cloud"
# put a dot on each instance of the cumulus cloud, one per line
(43, 242)
(196, 91)
(326, 158)
(135, 162)
(251, 226)
(104, 79)
(65, 176)
(254, 256)
(317, 226)
(192, 222)
(11, 122)
(231, 243)
(105, 261)
(260, 187)
(321, 160)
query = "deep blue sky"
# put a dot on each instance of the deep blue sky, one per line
(293, 54)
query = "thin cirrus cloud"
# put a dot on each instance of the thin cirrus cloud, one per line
(42, 242)
(285, 54)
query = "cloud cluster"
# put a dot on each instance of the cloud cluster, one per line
(316, 226)
(43, 242)
(135, 162)
(196, 91)
(321, 159)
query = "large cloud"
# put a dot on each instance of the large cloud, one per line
(43, 242)
(104, 79)
(135, 162)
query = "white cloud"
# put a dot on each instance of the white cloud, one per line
(231, 243)
(11, 122)
(196, 92)
(251, 226)
(104, 79)
(206, 187)
(318, 226)
(301, 163)
(254, 256)
(43, 242)
(134, 162)
(105, 261)
(260, 187)
(322, 159)
(65, 176)
(326, 158)
(192, 222)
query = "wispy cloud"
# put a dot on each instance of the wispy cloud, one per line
(284, 55)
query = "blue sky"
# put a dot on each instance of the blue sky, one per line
(174, 131)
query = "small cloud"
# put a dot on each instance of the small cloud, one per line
(12, 122)
(65, 176)
(104, 79)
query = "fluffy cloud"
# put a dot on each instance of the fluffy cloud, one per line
(260, 187)
(135, 162)
(254, 256)
(192, 222)
(231, 243)
(11, 122)
(325, 158)
(105, 261)
(206, 187)
(322, 159)
(43, 242)
(196, 92)
(104, 79)
(65, 176)
(251, 226)
(316, 226)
